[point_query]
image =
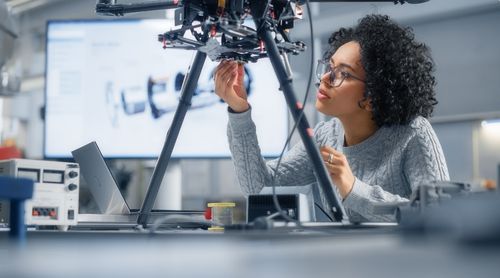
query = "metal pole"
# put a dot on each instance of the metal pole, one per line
(190, 83)
(305, 131)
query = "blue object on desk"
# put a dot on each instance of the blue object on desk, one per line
(16, 191)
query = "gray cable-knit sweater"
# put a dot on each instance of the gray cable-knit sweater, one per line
(387, 166)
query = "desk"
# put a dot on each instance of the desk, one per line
(336, 252)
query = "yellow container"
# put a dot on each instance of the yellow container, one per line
(222, 213)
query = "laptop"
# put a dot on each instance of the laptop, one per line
(100, 181)
(102, 184)
(116, 213)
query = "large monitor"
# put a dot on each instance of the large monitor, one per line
(110, 81)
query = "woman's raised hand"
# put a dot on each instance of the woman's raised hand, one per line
(229, 85)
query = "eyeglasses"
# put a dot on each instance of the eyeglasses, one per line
(335, 76)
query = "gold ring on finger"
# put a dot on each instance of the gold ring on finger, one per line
(330, 158)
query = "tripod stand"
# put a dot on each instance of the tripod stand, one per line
(306, 133)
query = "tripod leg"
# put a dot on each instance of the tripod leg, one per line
(190, 83)
(305, 131)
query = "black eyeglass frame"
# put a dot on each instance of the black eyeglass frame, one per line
(320, 72)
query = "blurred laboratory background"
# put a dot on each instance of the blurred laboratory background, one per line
(62, 65)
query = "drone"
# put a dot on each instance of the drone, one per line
(219, 27)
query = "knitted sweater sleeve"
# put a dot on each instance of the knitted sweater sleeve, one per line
(423, 161)
(252, 171)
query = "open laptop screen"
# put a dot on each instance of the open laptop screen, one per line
(100, 180)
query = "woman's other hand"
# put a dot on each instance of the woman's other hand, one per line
(229, 85)
(339, 169)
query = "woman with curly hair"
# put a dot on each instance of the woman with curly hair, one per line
(377, 83)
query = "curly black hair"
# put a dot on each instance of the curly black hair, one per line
(399, 70)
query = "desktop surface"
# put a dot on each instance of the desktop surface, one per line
(175, 253)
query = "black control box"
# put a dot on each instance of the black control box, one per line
(263, 205)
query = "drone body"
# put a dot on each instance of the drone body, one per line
(220, 28)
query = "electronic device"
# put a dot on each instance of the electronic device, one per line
(115, 85)
(115, 212)
(294, 205)
(55, 194)
(308, 191)
(100, 180)
(102, 184)
(219, 28)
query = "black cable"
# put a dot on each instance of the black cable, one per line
(311, 68)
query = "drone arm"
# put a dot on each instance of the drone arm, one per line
(109, 7)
